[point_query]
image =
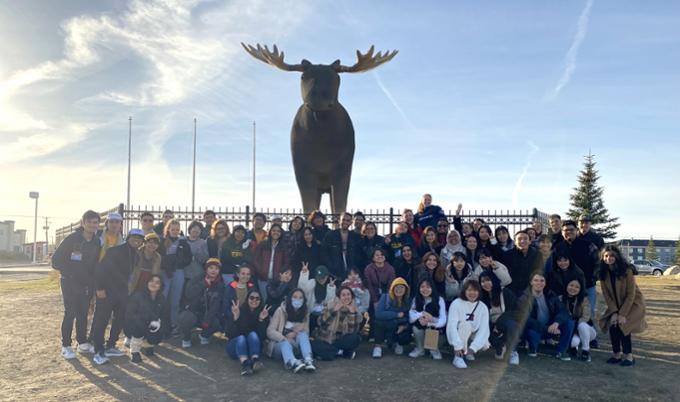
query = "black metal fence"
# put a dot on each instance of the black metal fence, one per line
(384, 218)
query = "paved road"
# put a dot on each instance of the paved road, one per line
(26, 272)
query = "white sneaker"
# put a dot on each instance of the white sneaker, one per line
(469, 356)
(113, 352)
(68, 353)
(204, 341)
(458, 362)
(309, 365)
(100, 358)
(340, 352)
(436, 355)
(398, 349)
(514, 358)
(127, 341)
(85, 348)
(417, 352)
(377, 352)
(186, 344)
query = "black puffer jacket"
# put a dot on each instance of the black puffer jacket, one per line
(113, 272)
(142, 309)
(180, 259)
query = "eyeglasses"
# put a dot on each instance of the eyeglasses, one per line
(253, 298)
(147, 220)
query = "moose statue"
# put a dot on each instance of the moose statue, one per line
(322, 136)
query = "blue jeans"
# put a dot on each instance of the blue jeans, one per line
(592, 298)
(535, 331)
(286, 350)
(244, 346)
(172, 290)
(262, 286)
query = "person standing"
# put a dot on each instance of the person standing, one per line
(199, 251)
(112, 276)
(270, 258)
(76, 259)
(587, 233)
(428, 213)
(257, 233)
(521, 261)
(175, 255)
(555, 230)
(342, 248)
(236, 251)
(112, 234)
(148, 263)
(359, 220)
(160, 226)
(625, 313)
(219, 233)
(146, 220)
(209, 218)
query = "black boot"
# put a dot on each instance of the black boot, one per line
(135, 357)
(148, 351)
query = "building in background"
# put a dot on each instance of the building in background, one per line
(635, 249)
(11, 240)
(42, 253)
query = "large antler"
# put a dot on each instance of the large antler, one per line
(368, 61)
(274, 58)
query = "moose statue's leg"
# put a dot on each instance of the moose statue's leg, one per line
(339, 194)
(311, 197)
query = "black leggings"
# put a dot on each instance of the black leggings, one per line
(619, 340)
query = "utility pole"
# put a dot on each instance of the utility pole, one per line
(47, 239)
(35, 195)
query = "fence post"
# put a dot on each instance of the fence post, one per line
(247, 216)
(391, 219)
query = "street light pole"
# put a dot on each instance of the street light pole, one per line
(127, 205)
(193, 178)
(35, 195)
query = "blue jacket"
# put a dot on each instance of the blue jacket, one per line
(429, 217)
(385, 310)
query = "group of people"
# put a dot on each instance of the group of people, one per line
(310, 292)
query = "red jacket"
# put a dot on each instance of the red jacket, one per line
(263, 254)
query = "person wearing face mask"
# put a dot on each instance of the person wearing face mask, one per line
(502, 305)
(545, 318)
(467, 329)
(453, 245)
(576, 305)
(563, 271)
(319, 291)
(175, 255)
(202, 304)
(148, 263)
(237, 290)
(337, 332)
(488, 264)
(428, 311)
(342, 248)
(288, 331)
(112, 275)
(457, 273)
(270, 258)
(237, 250)
(521, 261)
(278, 288)
(391, 319)
(246, 330)
(147, 318)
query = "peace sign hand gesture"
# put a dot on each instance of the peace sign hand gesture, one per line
(264, 313)
(305, 266)
(235, 310)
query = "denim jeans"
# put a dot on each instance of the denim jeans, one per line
(286, 350)
(262, 286)
(172, 291)
(535, 331)
(244, 346)
(592, 299)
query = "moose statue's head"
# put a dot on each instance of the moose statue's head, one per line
(320, 82)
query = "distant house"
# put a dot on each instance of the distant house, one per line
(635, 249)
(41, 251)
(11, 240)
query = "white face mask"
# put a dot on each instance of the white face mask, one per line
(296, 303)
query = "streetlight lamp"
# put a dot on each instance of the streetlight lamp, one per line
(35, 195)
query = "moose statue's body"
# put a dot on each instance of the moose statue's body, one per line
(322, 136)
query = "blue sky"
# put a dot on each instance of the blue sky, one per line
(491, 103)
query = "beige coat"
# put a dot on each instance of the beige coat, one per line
(136, 271)
(278, 323)
(629, 303)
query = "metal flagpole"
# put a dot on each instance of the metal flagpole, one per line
(254, 153)
(127, 206)
(193, 178)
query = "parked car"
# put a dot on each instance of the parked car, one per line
(649, 267)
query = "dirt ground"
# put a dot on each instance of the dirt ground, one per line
(32, 369)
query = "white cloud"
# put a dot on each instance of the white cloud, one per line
(520, 179)
(572, 53)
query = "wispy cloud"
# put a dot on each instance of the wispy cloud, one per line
(520, 179)
(572, 54)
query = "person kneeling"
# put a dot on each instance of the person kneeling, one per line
(468, 326)
(288, 330)
(202, 300)
(147, 318)
(428, 312)
(578, 307)
(246, 330)
(547, 318)
(337, 332)
(391, 318)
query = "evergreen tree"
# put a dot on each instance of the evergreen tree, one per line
(587, 199)
(676, 260)
(650, 251)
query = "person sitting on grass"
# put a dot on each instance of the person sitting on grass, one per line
(467, 329)
(288, 330)
(578, 308)
(625, 313)
(337, 332)
(202, 304)
(147, 319)
(247, 330)
(391, 319)
(428, 311)
(502, 305)
(546, 318)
